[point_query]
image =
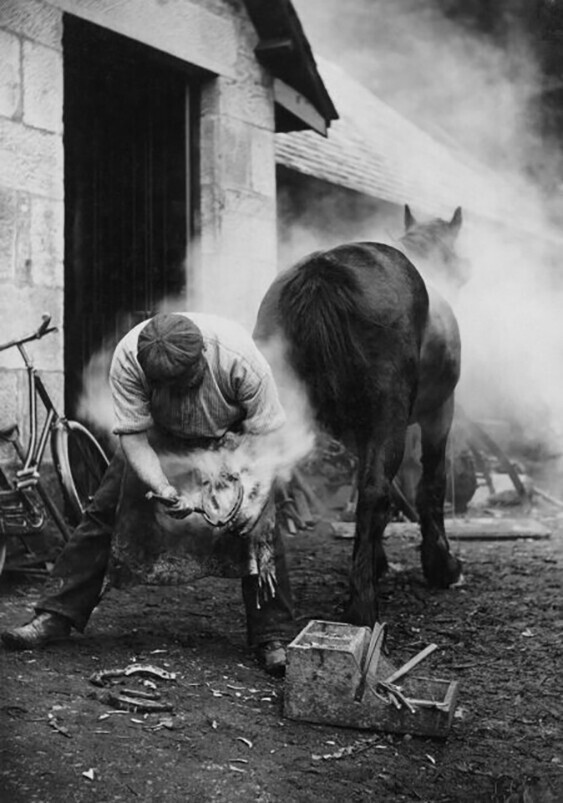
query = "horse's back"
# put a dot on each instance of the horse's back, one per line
(353, 318)
(393, 291)
(387, 278)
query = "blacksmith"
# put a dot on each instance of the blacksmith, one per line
(182, 379)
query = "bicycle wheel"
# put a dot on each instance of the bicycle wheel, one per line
(80, 462)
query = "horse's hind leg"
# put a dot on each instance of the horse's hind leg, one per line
(378, 464)
(439, 565)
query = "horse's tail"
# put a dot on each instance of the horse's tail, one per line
(327, 326)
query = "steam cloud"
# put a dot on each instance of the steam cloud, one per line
(480, 100)
(262, 459)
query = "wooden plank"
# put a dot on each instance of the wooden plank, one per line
(476, 529)
(495, 529)
(414, 661)
(298, 105)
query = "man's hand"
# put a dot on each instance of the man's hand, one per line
(175, 505)
(181, 508)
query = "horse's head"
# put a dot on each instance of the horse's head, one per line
(431, 246)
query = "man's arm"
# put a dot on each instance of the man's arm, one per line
(145, 463)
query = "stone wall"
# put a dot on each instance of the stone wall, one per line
(234, 256)
(31, 193)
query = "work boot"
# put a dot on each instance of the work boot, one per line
(272, 656)
(43, 629)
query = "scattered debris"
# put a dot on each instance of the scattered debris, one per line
(100, 678)
(135, 704)
(144, 695)
(353, 749)
(57, 727)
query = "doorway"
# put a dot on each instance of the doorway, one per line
(127, 134)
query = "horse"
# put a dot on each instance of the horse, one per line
(431, 246)
(376, 350)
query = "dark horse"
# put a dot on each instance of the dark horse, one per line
(377, 350)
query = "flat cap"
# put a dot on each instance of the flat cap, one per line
(168, 346)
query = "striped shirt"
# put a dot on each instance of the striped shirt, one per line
(238, 389)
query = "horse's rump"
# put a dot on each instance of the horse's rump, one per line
(353, 318)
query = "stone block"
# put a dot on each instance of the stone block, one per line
(10, 75)
(249, 101)
(31, 160)
(235, 154)
(8, 216)
(21, 308)
(248, 202)
(210, 155)
(22, 242)
(9, 402)
(31, 239)
(33, 19)
(43, 87)
(263, 164)
(47, 242)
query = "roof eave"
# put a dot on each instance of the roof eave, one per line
(285, 52)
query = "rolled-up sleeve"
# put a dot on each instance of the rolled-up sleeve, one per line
(131, 401)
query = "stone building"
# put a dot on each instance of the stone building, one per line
(137, 165)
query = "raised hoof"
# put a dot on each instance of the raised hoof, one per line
(43, 629)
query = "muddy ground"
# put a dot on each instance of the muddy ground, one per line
(226, 739)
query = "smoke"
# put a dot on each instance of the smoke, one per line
(477, 92)
(512, 338)
(463, 85)
(258, 460)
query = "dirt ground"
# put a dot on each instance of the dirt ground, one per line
(226, 739)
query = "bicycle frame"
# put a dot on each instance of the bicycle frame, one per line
(28, 476)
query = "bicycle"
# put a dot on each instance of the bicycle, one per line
(78, 458)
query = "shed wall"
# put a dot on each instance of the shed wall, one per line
(233, 257)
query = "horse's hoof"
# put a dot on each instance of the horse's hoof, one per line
(361, 615)
(442, 571)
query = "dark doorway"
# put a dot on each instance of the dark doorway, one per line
(126, 134)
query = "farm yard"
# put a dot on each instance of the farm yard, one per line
(166, 156)
(225, 736)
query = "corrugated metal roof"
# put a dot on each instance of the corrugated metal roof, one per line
(376, 151)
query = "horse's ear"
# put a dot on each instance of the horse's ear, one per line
(410, 219)
(456, 221)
